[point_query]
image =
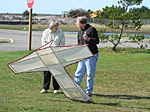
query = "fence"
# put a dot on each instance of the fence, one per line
(18, 19)
(115, 22)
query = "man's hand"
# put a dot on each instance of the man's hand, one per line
(86, 37)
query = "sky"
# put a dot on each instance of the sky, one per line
(58, 6)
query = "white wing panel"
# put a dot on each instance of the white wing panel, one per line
(73, 54)
(57, 69)
(66, 93)
(58, 49)
(65, 80)
(27, 65)
(44, 51)
(32, 55)
(39, 69)
(74, 93)
(49, 59)
(68, 63)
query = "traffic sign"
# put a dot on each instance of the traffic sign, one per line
(30, 3)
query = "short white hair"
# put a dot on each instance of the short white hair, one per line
(52, 22)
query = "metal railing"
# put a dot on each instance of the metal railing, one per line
(19, 19)
(115, 22)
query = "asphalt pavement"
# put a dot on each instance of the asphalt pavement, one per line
(15, 40)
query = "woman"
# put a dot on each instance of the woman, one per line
(57, 35)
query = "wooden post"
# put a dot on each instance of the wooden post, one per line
(30, 29)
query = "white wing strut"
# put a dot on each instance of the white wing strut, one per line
(55, 59)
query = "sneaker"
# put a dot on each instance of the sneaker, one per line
(56, 91)
(43, 91)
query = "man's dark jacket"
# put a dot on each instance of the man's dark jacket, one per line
(92, 34)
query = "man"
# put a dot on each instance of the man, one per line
(87, 35)
(57, 35)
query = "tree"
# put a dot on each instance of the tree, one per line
(98, 13)
(34, 14)
(143, 12)
(78, 12)
(89, 11)
(126, 20)
(25, 13)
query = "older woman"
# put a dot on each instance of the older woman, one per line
(57, 35)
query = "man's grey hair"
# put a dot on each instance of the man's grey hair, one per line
(82, 19)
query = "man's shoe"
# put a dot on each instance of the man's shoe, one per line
(56, 91)
(43, 91)
(90, 95)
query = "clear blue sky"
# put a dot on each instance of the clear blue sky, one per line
(57, 6)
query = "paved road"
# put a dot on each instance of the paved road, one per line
(21, 40)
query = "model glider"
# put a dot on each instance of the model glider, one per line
(55, 59)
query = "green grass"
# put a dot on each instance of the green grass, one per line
(122, 83)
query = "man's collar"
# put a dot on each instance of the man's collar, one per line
(85, 27)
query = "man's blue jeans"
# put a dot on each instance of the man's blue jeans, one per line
(88, 65)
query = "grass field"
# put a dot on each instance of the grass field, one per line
(145, 29)
(122, 83)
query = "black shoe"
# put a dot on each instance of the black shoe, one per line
(90, 95)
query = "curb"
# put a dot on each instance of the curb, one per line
(6, 40)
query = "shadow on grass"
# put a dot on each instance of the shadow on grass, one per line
(140, 108)
(91, 102)
(53, 93)
(133, 50)
(118, 105)
(128, 97)
(124, 50)
(108, 104)
(58, 100)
